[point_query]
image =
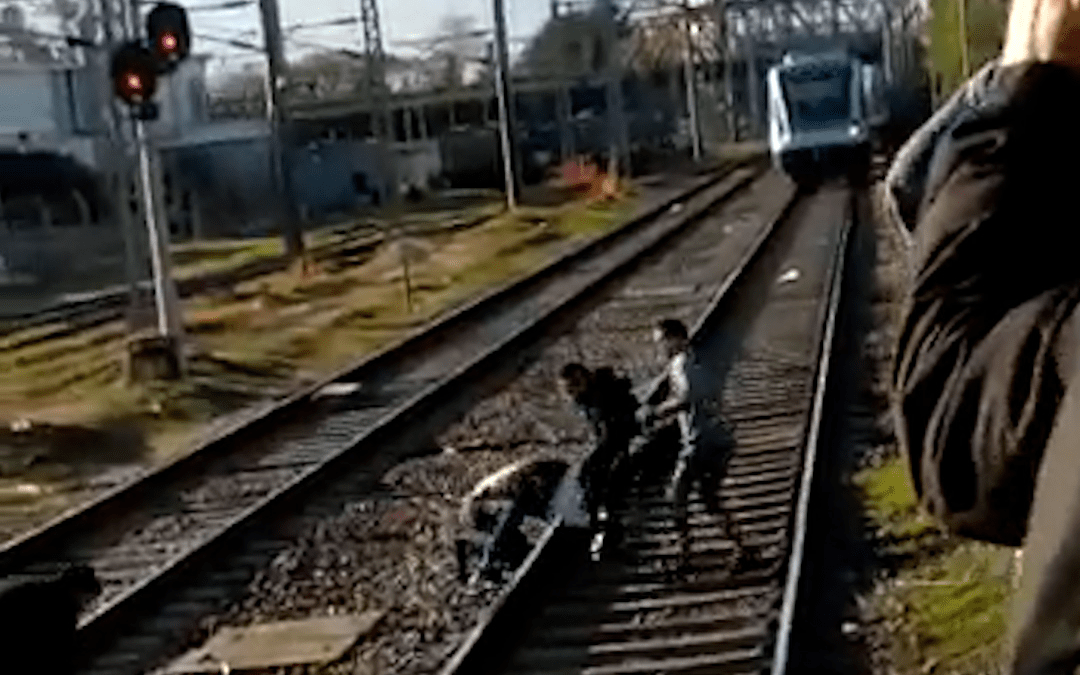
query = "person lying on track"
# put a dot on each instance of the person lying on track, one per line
(986, 388)
(491, 515)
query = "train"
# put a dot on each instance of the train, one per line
(825, 112)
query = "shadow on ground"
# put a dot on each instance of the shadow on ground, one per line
(24, 448)
(839, 564)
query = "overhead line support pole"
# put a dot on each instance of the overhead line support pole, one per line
(504, 95)
(277, 72)
(691, 86)
(122, 167)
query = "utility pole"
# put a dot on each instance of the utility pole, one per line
(753, 85)
(886, 45)
(728, 54)
(504, 95)
(122, 168)
(377, 93)
(563, 105)
(564, 113)
(277, 74)
(691, 87)
(965, 63)
(620, 150)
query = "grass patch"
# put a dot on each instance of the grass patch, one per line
(269, 334)
(892, 506)
(944, 608)
(193, 260)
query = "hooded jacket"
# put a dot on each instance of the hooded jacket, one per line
(983, 195)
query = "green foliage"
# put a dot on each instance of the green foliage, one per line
(963, 618)
(946, 607)
(986, 21)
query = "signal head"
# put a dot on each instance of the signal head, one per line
(134, 74)
(170, 36)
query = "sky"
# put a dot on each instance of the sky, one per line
(401, 20)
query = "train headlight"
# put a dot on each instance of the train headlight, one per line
(855, 130)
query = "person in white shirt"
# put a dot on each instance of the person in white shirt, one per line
(692, 400)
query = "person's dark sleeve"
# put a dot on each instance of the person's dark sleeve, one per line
(976, 383)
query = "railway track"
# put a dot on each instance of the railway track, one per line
(142, 538)
(770, 336)
(663, 196)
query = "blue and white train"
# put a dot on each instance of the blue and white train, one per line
(824, 110)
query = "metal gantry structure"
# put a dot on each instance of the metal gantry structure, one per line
(732, 43)
(726, 36)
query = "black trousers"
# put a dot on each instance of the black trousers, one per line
(706, 469)
(606, 476)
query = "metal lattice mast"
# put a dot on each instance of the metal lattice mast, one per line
(375, 61)
(376, 89)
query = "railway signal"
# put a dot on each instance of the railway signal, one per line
(134, 74)
(169, 34)
(135, 68)
(136, 65)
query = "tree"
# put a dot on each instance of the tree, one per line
(243, 90)
(986, 22)
(565, 46)
(460, 47)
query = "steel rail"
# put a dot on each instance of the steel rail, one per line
(802, 513)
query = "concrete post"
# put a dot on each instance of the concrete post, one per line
(728, 54)
(563, 113)
(507, 127)
(754, 87)
(276, 75)
(170, 323)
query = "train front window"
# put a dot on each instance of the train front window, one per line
(818, 98)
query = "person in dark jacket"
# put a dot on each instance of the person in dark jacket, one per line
(38, 618)
(986, 390)
(609, 404)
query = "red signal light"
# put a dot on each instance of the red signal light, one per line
(170, 35)
(134, 74)
(169, 43)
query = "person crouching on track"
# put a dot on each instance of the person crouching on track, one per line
(609, 404)
(706, 443)
(38, 619)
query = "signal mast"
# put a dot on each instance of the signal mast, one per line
(135, 68)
